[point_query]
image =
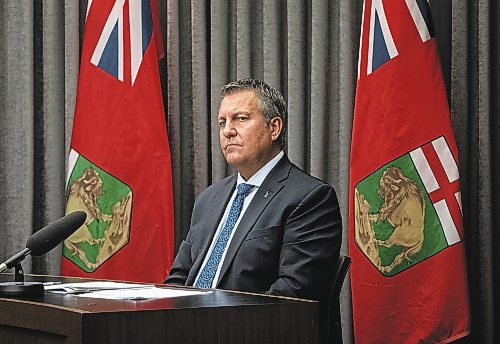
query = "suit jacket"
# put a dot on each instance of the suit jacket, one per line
(286, 243)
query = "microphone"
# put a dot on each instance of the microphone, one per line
(38, 244)
(47, 238)
(52, 235)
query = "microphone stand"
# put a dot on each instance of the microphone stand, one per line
(20, 288)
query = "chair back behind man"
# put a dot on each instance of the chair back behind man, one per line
(330, 310)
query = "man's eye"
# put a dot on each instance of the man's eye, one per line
(241, 118)
(222, 124)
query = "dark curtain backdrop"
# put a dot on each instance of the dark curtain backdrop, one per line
(307, 49)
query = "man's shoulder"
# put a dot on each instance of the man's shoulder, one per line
(298, 175)
(223, 184)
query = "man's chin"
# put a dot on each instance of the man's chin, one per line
(233, 160)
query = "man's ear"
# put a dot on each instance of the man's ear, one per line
(276, 125)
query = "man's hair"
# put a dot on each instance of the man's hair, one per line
(271, 102)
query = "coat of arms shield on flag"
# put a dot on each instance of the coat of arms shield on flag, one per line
(397, 223)
(107, 201)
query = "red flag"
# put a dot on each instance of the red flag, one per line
(408, 276)
(119, 166)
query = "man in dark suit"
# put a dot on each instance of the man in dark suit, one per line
(270, 228)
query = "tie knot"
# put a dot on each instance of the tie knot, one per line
(244, 189)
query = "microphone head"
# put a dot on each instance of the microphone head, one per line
(53, 234)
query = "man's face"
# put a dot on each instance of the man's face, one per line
(245, 138)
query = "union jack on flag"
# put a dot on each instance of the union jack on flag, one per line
(109, 52)
(381, 46)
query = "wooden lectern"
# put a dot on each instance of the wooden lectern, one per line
(218, 317)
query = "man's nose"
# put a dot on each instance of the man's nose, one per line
(229, 129)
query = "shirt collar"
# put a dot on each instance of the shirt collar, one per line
(258, 178)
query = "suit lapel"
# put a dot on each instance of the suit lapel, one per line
(267, 191)
(211, 222)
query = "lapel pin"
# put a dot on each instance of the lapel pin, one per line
(267, 194)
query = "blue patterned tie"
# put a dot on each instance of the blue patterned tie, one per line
(208, 273)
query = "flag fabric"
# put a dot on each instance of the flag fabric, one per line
(119, 169)
(406, 239)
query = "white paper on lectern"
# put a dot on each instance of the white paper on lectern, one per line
(119, 291)
(83, 287)
(146, 293)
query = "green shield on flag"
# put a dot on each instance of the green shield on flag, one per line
(396, 225)
(107, 202)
